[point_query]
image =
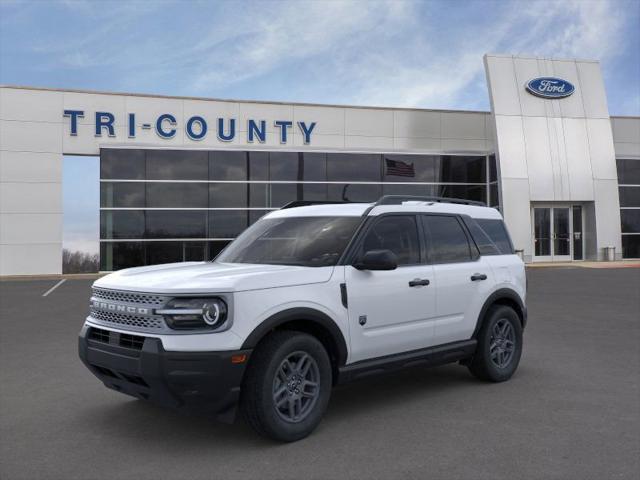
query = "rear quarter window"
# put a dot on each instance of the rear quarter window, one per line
(497, 232)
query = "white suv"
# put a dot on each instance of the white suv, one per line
(307, 297)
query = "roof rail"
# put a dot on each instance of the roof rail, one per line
(397, 199)
(307, 203)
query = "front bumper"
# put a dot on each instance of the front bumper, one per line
(208, 382)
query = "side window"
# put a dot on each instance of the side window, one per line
(447, 240)
(484, 243)
(398, 234)
(497, 232)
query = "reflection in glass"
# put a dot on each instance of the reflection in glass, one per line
(447, 241)
(357, 167)
(577, 232)
(227, 195)
(630, 221)
(164, 252)
(177, 195)
(629, 196)
(285, 166)
(118, 255)
(227, 223)
(177, 165)
(226, 165)
(118, 195)
(630, 246)
(176, 224)
(542, 229)
(628, 171)
(121, 224)
(353, 192)
(561, 238)
(125, 164)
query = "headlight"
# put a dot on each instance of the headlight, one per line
(195, 313)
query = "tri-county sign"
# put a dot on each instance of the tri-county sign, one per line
(550, 87)
(196, 127)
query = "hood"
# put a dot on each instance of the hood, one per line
(207, 277)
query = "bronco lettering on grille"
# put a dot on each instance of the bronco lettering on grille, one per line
(119, 308)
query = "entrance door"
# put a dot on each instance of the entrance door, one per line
(557, 233)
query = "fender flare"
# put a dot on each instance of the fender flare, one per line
(502, 294)
(301, 314)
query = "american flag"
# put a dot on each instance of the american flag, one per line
(399, 168)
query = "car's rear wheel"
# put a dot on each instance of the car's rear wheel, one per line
(499, 345)
(287, 386)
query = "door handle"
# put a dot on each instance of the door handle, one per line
(419, 282)
(478, 276)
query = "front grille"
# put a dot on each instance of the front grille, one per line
(122, 319)
(129, 297)
(131, 341)
(99, 335)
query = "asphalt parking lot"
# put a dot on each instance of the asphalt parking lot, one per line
(571, 412)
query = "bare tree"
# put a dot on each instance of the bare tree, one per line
(79, 262)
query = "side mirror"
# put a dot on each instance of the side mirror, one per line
(377, 260)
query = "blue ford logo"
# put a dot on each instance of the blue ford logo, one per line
(550, 87)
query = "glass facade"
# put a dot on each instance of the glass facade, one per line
(629, 190)
(159, 206)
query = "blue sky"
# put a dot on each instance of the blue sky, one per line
(391, 53)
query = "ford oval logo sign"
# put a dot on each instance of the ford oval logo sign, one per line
(550, 87)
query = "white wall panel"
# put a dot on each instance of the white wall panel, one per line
(607, 208)
(329, 120)
(30, 105)
(592, 84)
(525, 70)
(31, 197)
(465, 146)
(417, 124)
(368, 143)
(30, 167)
(23, 228)
(501, 78)
(31, 259)
(268, 112)
(91, 103)
(465, 126)
(571, 106)
(369, 122)
(578, 159)
(538, 156)
(512, 157)
(626, 130)
(423, 144)
(516, 211)
(21, 136)
(601, 149)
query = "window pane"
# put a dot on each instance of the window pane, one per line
(283, 193)
(314, 191)
(195, 251)
(177, 195)
(493, 169)
(411, 168)
(285, 166)
(497, 232)
(630, 221)
(258, 166)
(118, 195)
(122, 164)
(229, 195)
(463, 169)
(477, 193)
(629, 196)
(352, 192)
(121, 224)
(628, 171)
(215, 248)
(225, 165)
(314, 167)
(118, 255)
(227, 223)
(414, 190)
(177, 165)
(630, 246)
(176, 224)
(398, 234)
(447, 240)
(485, 245)
(255, 215)
(493, 191)
(353, 167)
(164, 252)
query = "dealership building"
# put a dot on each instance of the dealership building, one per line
(180, 177)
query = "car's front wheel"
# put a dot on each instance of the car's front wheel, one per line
(499, 345)
(287, 386)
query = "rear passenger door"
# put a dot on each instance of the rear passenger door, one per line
(462, 277)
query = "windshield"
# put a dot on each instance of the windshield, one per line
(305, 241)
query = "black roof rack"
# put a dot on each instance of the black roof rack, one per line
(385, 200)
(397, 199)
(307, 203)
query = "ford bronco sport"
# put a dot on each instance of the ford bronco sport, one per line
(307, 297)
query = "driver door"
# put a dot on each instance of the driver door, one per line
(389, 312)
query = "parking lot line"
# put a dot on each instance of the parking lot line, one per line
(54, 287)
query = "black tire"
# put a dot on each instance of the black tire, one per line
(486, 363)
(264, 378)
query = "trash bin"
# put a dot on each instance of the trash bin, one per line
(610, 253)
